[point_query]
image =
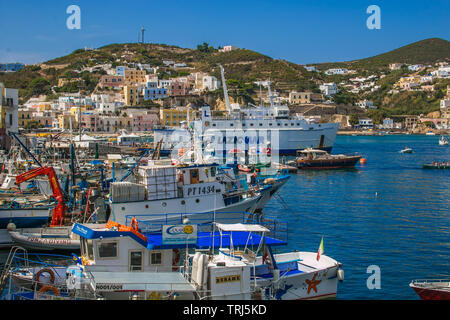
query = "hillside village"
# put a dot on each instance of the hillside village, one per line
(130, 87)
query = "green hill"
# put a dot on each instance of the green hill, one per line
(242, 68)
(426, 51)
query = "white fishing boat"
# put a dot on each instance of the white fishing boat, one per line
(119, 262)
(443, 141)
(172, 192)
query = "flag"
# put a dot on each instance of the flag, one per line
(321, 250)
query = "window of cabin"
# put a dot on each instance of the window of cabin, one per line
(156, 258)
(107, 249)
(89, 249)
(136, 261)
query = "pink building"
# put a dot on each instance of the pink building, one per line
(111, 81)
(177, 88)
(144, 121)
(91, 122)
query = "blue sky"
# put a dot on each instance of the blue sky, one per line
(298, 31)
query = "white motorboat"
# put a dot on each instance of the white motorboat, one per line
(406, 150)
(443, 141)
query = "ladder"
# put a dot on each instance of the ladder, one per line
(6, 268)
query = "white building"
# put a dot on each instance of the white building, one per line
(336, 71)
(366, 104)
(415, 67)
(365, 124)
(9, 114)
(445, 103)
(210, 83)
(311, 69)
(107, 107)
(163, 83)
(228, 48)
(329, 89)
(388, 123)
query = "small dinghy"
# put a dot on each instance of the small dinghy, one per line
(406, 150)
(437, 165)
(52, 238)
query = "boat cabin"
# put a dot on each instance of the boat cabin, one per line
(120, 262)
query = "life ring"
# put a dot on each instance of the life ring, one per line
(38, 275)
(134, 224)
(176, 256)
(52, 288)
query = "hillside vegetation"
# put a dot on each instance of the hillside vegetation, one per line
(242, 68)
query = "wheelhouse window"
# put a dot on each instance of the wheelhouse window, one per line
(107, 249)
(87, 248)
(156, 258)
(136, 261)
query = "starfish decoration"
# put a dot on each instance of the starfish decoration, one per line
(312, 284)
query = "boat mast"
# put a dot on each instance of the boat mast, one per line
(270, 94)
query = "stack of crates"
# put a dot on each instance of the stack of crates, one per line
(127, 192)
(160, 181)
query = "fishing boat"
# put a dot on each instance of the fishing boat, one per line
(430, 133)
(266, 182)
(437, 165)
(432, 289)
(123, 262)
(406, 150)
(443, 141)
(22, 217)
(163, 188)
(314, 159)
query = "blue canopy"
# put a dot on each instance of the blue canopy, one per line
(204, 239)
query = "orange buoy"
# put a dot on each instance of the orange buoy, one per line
(363, 160)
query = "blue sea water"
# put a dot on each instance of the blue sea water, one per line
(390, 213)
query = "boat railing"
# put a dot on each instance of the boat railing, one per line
(428, 281)
(204, 220)
(278, 229)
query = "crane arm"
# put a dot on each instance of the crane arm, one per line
(60, 210)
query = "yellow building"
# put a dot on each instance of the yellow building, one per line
(304, 97)
(173, 117)
(65, 119)
(25, 116)
(403, 80)
(133, 76)
(131, 95)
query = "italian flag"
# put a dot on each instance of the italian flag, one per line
(321, 250)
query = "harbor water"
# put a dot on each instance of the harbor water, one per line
(389, 213)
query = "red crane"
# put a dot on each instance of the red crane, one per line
(59, 211)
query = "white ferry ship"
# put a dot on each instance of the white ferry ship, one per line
(255, 126)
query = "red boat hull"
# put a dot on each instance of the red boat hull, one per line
(432, 294)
